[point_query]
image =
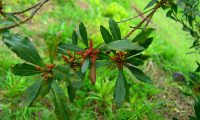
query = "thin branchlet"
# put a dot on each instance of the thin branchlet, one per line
(146, 19)
(135, 16)
(36, 7)
(27, 9)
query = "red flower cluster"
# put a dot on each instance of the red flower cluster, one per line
(119, 59)
(90, 52)
(70, 59)
(47, 71)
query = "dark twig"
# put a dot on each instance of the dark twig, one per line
(134, 27)
(136, 16)
(148, 21)
(28, 9)
(150, 15)
(27, 19)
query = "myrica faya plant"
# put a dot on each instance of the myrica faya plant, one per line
(121, 52)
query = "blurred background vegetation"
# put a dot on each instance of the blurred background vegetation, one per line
(169, 54)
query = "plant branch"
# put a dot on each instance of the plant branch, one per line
(39, 5)
(136, 16)
(28, 9)
(149, 16)
(148, 21)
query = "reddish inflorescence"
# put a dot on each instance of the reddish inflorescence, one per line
(119, 59)
(47, 72)
(90, 52)
(70, 59)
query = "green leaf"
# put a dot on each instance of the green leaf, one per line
(61, 72)
(142, 56)
(174, 118)
(63, 48)
(151, 3)
(83, 33)
(139, 74)
(142, 37)
(174, 7)
(85, 65)
(103, 56)
(192, 118)
(5, 32)
(24, 49)
(147, 43)
(169, 13)
(53, 48)
(134, 61)
(120, 91)
(106, 35)
(115, 30)
(122, 45)
(79, 75)
(9, 19)
(71, 91)
(61, 109)
(46, 86)
(24, 69)
(74, 38)
(194, 77)
(12, 16)
(198, 68)
(31, 93)
(197, 108)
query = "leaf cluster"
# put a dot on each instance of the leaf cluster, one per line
(122, 53)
